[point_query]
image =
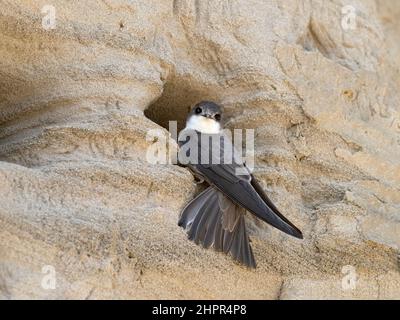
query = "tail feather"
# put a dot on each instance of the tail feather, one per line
(211, 221)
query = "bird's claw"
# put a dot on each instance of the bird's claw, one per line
(198, 180)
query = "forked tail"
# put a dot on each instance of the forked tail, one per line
(214, 221)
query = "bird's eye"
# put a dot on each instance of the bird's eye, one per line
(198, 110)
(217, 117)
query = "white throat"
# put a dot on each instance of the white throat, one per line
(203, 124)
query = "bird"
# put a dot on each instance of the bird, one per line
(216, 217)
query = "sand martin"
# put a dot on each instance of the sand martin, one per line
(216, 217)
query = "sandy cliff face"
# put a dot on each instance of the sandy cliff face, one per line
(76, 101)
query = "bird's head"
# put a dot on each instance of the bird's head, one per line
(205, 117)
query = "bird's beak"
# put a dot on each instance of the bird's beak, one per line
(209, 116)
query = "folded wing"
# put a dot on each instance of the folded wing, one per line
(225, 170)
